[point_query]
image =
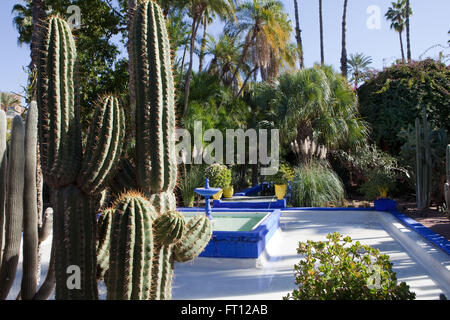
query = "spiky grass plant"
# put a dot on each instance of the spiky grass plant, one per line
(315, 185)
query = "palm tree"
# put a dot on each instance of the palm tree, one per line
(298, 36)
(322, 58)
(7, 100)
(197, 8)
(316, 103)
(397, 15)
(207, 19)
(408, 44)
(225, 54)
(344, 49)
(358, 65)
(266, 30)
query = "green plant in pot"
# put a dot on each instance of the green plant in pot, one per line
(281, 180)
(219, 176)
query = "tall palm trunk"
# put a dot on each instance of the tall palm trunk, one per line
(298, 36)
(195, 23)
(38, 14)
(344, 68)
(322, 58)
(401, 47)
(408, 44)
(203, 45)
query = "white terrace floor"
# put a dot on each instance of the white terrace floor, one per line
(425, 268)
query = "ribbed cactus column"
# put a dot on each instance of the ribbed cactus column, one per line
(76, 179)
(156, 167)
(30, 213)
(3, 166)
(132, 248)
(14, 207)
(155, 106)
(447, 183)
(423, 162)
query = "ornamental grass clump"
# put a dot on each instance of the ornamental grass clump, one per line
(339, 269)
(316, 185)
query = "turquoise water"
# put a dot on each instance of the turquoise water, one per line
(233, 221)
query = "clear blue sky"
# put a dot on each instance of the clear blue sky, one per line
(429, 26)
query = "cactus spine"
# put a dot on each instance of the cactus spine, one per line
(447, 183)
(76, 179)
(423, 162)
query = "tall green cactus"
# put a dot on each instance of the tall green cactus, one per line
(18, 185)
(447, 183)
(423, 162)
(131, 249)
(14, 207)
(30, 209)
(76, 179)
(3, 168)
(156, 171)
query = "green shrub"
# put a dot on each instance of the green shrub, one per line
(316, 185)
(219, 175)
(339, 269)
(371, 168)
(283, 175)
(379, 183)
(394, 98)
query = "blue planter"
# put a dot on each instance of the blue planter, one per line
(385, 204)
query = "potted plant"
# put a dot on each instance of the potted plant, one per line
(377, 186)
(219, 177)
(281, 180)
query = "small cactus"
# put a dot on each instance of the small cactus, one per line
(131, 249)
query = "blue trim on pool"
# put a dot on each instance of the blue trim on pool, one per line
(278, 204)
(425, 232)
(240, 244)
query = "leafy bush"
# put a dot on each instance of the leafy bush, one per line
(339, 269)
(395, 96)
(378, 184)
(219, 175)
(283, 175)
(372, 169)
(316, 185)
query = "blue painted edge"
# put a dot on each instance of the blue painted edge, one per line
(278, 204)
(425, 232)
(251, 191)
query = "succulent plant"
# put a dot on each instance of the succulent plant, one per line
(423, 162)
(76, 178)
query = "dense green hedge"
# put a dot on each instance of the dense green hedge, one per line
(394, 97)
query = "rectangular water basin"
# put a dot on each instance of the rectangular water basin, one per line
(238, 233)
